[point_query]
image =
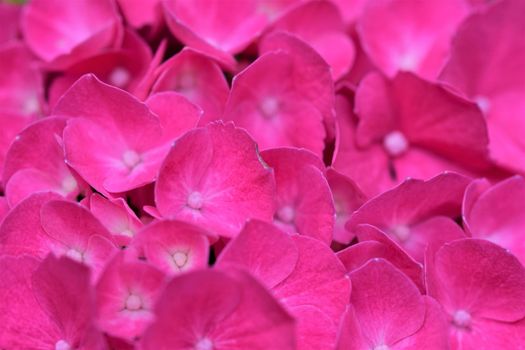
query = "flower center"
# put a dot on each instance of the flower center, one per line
(131, 159)
(75, 254)
(401, 232)
(69, 184)
(204, 344)
(62, 345)
(119, 77)
(483, 104)
(180, 259)
(269, 107)
(133, 302)
(381, 347)
(462, 319)
(286, 214)
(395, 143)
(195, 200)
(31, 105)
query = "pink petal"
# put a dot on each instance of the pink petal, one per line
(315, 330)
(12, 124)
(126, 294)
(10, 17)
(478, 279)
(197, 77)
(76, 31)
(270, 101)
(388, 306)
(140, 13)
(304, 201)
(209, 309)
(410, 36)
(62, 288)
(174, 246)
(264, 250)
(21, 231)
(375, 244)
(213, 177)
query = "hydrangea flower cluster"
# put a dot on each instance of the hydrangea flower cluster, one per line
(262, 175)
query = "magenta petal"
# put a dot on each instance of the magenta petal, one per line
(213, 177)
(126, 293)
(478, 279)
(267, 252)
(208, 309)
(174, 246)
(388, 306)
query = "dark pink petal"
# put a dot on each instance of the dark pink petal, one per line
(21, 81)
(375, 244)
(319, 23)
(38, 168)
(410, 36)
(10, 18)
(405, 212)
(116, 216)
(197, 77)
(122, 67)
(140, 13)
(350, 336)
(304, 201)
(62, 288)
(200, 25)
(388, 306)
(78, 30)
(208, 310)
(24, 324)
(173, 246)
(264, 250)
(4, 208)
(12, 124)
(126, 293)
(488, 66)
(497, 214)
(347, 198)
(213, 177)
(76, 233)
(489, 334)
(475, 279)
(269, 99)
(21, 231)
(315, 330)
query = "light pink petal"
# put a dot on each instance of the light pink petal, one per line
(267, 252)
(209, 309)
(388, 306)
(270, 101)
(174, 246)
(347, 198)
(122, 67)
(497, 215)
(62, 288)
(350, 336)
(213, 177)
(76, 31)
(21, 231)
(21, 81)
(200, 24)
(478, 279)
(304, 201)
(434, 333)
(410, 36)
(116, 216)
(375, 244)
(24, 324)
(197, 77)
(126, 293)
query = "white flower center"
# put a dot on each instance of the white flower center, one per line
(75, 254)
(395, 143)
(204, 344)
(119, 77)
(381, 347)
(180, 259)
(131, 159)
(286, 214)
(269, 107)
(195, 200)
(133, 302)
(483, 104)
(462, 319)
(69, 184)
(402, 232)
(62, 345)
